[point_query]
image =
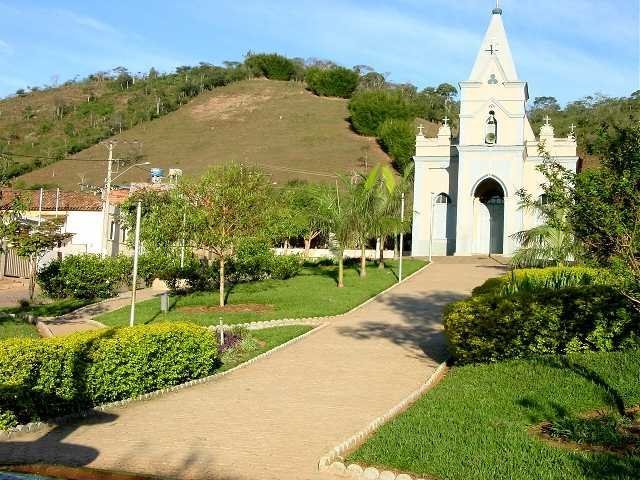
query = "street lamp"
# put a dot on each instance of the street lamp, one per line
(107, 192)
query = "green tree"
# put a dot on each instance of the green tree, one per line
(332, 82)
(337, 222)
(271, 66)
(551, 242)
(33, 240)
(398, 138)
(228, 204)
(370, 108)
(606, 213)
(308, 201)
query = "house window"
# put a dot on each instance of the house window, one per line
(112, 231)
(124, 234)
(491, 129)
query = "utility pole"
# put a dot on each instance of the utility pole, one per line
(136, 253)
(107, 191)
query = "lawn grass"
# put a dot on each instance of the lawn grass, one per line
(268, 338)
(475, 423)
(16, 327)
(52, 309)
(313, 293)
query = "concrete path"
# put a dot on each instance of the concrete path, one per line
(274, 419)
(82, 319)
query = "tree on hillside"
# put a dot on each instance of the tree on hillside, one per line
(225, 206)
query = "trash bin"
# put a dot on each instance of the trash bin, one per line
(164, 302)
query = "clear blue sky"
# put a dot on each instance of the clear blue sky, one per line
(564, 48)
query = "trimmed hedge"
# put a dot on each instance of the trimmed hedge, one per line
(490, 327)
(85, 276)
(41, 379)
(536, 279)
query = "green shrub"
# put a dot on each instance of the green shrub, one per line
(285, 266)
(332, 82)
(536, 279)
(491, 327)
(398, 138)
(84, 276)
(370, 108)
(271, 65)
(42, 379)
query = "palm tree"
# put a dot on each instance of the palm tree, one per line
(551, 243)
(337, 223)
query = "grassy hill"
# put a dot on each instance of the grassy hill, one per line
(278, 126)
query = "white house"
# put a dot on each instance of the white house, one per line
(464, 193)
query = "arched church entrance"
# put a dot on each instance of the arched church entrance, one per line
(488, 217)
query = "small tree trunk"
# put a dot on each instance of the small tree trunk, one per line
(341, 269)
(307, 247)
(32, 279)
(222, 281)
(363, 261)
(381, 258)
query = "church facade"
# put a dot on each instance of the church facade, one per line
(465, 199)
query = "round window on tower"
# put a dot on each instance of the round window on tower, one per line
(491, 129)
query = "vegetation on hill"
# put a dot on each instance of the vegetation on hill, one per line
(42, 126)
(595, 118)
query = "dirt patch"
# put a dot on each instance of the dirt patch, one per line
(240, 308)
(630, 433)
(224, 107)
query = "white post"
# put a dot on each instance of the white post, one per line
(106, 227)
(40, 206)
(431, 230)
(184, 222)
(401, 238)
(136, 251)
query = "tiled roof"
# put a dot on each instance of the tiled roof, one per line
(67, 201)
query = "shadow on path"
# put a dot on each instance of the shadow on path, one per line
(421, 325)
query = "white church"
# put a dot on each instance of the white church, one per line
(465, 199)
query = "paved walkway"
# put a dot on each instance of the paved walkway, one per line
(81, 319)
(274, 419)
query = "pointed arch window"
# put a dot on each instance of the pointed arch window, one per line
(491, 129)
(443, 198)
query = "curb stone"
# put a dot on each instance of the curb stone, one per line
(332, 457)
(36, 426)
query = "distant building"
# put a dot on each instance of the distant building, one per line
(465, 199)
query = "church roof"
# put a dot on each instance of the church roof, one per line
(495, 52)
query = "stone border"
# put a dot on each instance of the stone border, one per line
(333, 461)
(36, 426)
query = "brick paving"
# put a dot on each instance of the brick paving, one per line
(274, 419)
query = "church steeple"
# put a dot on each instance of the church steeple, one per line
(494, 57)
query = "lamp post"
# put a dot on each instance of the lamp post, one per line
(136, 253)
(401, 237)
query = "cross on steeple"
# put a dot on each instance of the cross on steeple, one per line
(492, 49)
(446, 120)
(547, 120)
(573, 129)
(420, 128)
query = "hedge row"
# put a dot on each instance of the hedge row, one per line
(41, 379)
(492, 327)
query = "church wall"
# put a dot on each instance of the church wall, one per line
(433, 176)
